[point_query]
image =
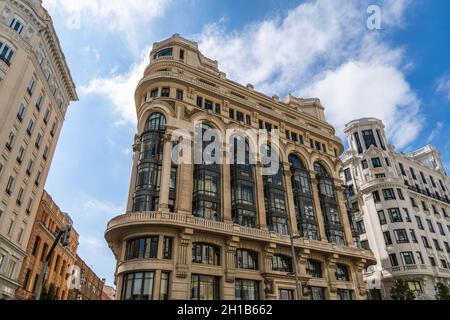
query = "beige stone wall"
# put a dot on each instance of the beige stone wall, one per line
(35, 54)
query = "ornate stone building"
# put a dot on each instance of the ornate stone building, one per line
(402, 206)
(49, 221)
(85, 284)
(220, 231)
(35, 91)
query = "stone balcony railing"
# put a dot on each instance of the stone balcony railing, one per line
(418, 269)
(130, 220)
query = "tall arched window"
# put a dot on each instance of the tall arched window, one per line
(275, 201)
(303, 199)
(243, 207)
(206, 202)
(329, 205)
(148, 178)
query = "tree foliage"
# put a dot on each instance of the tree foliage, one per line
(401, 291)
(49, 293)
(442, 291)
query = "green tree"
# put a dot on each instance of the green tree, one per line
(401, 291)
(442, 292)
(49, 293)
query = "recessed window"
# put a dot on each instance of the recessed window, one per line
(180, 95)
(285, 294)
(364, 164)
(231, 113)
(387, 238)
(388, 194)
(9, 185)
(165, 92)
(200, 102)
(217, 108)
(208, 105)
(395, 215)
(376, 162)
(369, 138)
(168, 52)
(20, 196)
(53, 129)
(425, 242)
(138, 286)
(401, 236)
(342, 273)
(21, 112)
(393, 260)
(408, 258)
(281, 263)
(205, 287)
(142, 248)
(419, 223)
(248, 120)
(246, 259)
(167, 253)
(205, 254)
(164, 287)
(31, 85)
(181, 54)
(314, 268)
(17, 25)
(20, 155)
(376, 196)
(430, 226)
(358, 142)
(437, 245)
(10, 142)
(246, 290)
(413, 235)
(6, 53)
(30, 127)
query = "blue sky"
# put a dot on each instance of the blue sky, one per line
(322, 49)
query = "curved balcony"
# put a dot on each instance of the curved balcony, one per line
(415, 269)
(127, 223)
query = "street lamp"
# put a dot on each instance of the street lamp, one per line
(294, 261)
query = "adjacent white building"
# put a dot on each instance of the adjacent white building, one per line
(402, 209)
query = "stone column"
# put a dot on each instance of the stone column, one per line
(260, 204)
(136, 150)
(186, 185)
(358, 280)
(290, 198)
(319, 213)
(331, 272)
(343, 210)
(181, 281)
(266, 258)
(226, 190)
(230, 258)
(165, 173)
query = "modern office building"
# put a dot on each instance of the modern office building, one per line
(35, 91)
(204, 230)
(402, 207)
(49, 221)
(85, 284)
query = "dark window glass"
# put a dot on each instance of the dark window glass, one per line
(382, 217)
(393, 260)
(387, 238)
(167, 254)
(388, 194)
(138, 286)
(142, 248)
(286, 294)
(164, 53)
(205, 254)
(317, 293)
(200, 102)
(208, 105)
(246, 290)
(376, 162)
(246, 259)
(164, 287)
(381, 140)
(365, 165)
(376, 196)
(314, 268)
(401, 236)
(345, 294)
(395, 215)
(369, 138)
(165, 92)
(358, 142)
(281, 263)
(204, 288)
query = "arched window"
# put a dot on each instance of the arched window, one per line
(329, 205)
(303, 199)
(275, 201)
(206, 202)
(148, 178)
(243, 205)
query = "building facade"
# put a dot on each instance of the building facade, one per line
(49, 221)
(220, 231)
(35, 91)
(109, 293)
(402, 207)
(85, 284)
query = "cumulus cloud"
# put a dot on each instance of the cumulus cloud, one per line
(323, 49)
(444, 86)
(125, 17)
(118, 88)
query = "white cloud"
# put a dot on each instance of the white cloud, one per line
(94, 207)
(92, 52)
(323, 48)
(444, 85)
(119, 89)
(127, 17)
(436, 131)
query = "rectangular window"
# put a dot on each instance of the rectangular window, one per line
(393, 260)
(247, 290)
(430, 226)
(30, 127)
(285, 294)
(21, 112)
(432, 261)
(361, 227)
(441, 229)
(38, 141)
(358, 142)
(217, 109)
(46, 115)
(364, 164)
(401, 236)
(164, 288)
(29, 206)
(31, 86)
(376, 196)
(437, 245)
(395, 215)
(369, 138)
(10, 142)
(423, 177)
(414, 203)
(9, 185)
(200, 102)
(419, 257)
(376, 162)
(53, 129)
(248, 120)
(165, 92)
(154, 93)
(387, 238)
(231, 114)
(181, 54)
(240, 117)
(413, 174)
(16, 25)
(382, 217)
(400, 194)
(168, 248)
(408, 258)
(348, 175)
(39, 102)
(208, 105)
(425, 242)
(419, 223)
(180, 95)
(402, 169)
(388, 162)
(388, 194)
(20, 197)
(205, 287)
(413, 235)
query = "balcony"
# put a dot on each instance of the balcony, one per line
(124, 224)
(423, 192)
(416, 269)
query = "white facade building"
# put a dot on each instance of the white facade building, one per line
(402, 210)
